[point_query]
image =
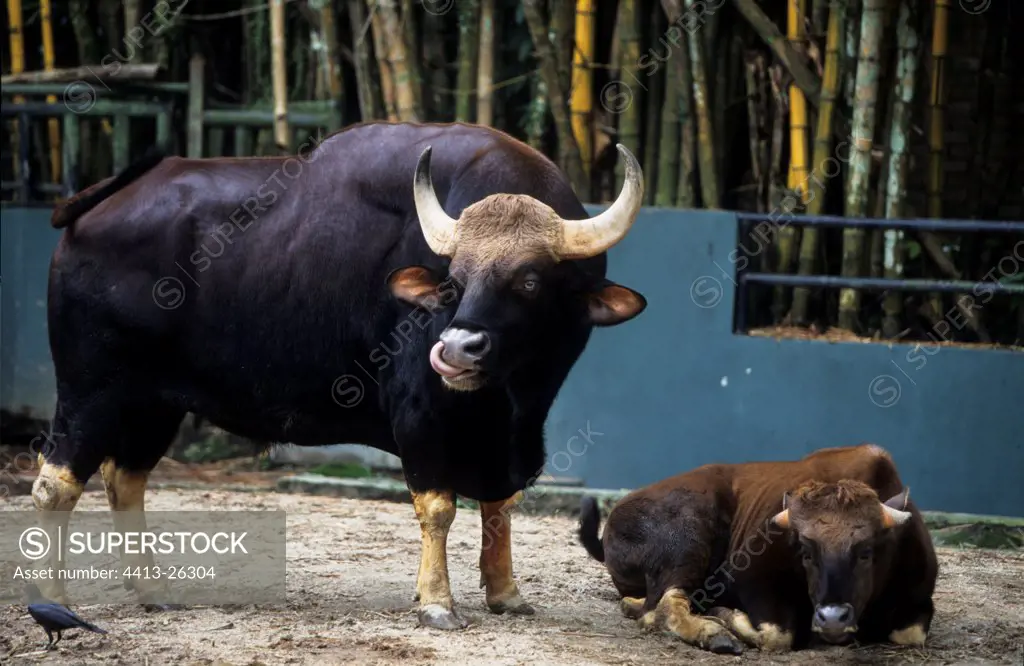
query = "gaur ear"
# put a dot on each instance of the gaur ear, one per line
(613, 304)
(416, 285)
(894, 509)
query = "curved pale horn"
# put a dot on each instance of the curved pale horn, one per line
(892, 517)
(591, 237)
(782, 519)
(438, 228)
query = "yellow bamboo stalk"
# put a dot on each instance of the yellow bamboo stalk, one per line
(581, 104)
(940, 41)
(280, 75)
(53, 126)
(17, 67)
(797, 178)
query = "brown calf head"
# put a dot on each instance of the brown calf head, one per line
(844, 533)
(509, 286)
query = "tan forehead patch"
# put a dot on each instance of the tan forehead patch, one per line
(506, 229)
(837, 513)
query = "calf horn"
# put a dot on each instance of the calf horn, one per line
(438, 228)
(892, 517)
(591, 237)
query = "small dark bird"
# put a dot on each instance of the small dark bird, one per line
(54, 617)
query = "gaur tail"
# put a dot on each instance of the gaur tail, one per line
(590, 521)
(80, 204)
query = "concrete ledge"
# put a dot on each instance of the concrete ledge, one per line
(552, 499)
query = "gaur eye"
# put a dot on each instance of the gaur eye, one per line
(866, 553)
(529, 285)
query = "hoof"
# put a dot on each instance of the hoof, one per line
(437, 616)
(515, 605)
(160, 608)
(724, 644)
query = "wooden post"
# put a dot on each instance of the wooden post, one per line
(196, 91)
(282, 137)
(53, 125)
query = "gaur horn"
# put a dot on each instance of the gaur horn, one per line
(591, 237)
(438, 228)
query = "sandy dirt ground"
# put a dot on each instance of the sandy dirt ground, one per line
(350, 582)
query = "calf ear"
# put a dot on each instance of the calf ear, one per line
(416, 285)
(899, 501)
(613, 304)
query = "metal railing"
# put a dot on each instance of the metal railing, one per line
(746, 277)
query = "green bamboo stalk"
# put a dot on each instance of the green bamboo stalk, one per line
(668, 145)
(655, 81)
(469, 44)
(860, 154)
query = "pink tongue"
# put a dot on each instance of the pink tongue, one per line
(438, 364)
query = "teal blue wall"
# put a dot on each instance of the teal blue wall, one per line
(675, 388)
(26, 371)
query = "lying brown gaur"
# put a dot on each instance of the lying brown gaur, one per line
(772, 554)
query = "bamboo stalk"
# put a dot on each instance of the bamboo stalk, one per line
(806, 79)
(809, 240)
(282, 137)
(705, 133)
(397, 59)
(413, 50)
(686, 197)
(549, 70)
(581, 104)
(469, 24)
(53, 125)
(563, 37)
(860, 155)
(899, 141)
(797, 177)
(536, 123)
(437, 105)
(668, 143)
(485, 67)
(755, 128)
(655, 95)
(380, 51)
(937, 108)
(624, 97)
(370, 103)
(332, 68)
(16, 36)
